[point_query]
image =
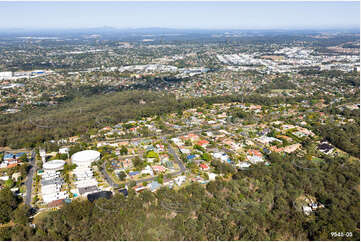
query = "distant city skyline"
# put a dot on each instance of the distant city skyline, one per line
(180, 15)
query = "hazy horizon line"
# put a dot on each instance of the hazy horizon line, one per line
(185, 28)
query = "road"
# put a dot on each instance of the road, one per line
(29, 180)
(171, 151)
(196, 131)
(108, 178)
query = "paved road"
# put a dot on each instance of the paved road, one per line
(108, 178)
(197, 131)
(29, 180)
(172, 152)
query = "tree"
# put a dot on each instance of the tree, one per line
(160, 178)
(123, 150)
(8, 203)
(21, 214)
(206, 157)
(138, 163)
(9, 183)
(23, 158)
(198, 147)
(188, 142)
(24, 169)
(122, 175)
(132, 184)
(152, 154)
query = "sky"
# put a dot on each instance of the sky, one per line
(197, 15)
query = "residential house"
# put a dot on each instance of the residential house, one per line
(180, 180)
(307, 210)
(147, 170)
(158, 169)
(153, 186)
(204, 167)
(203, 143)
(184, 150)
(254, 156)
(211, 176)
(243, 165)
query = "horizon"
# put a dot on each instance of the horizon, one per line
(182, 29)
(180, 15)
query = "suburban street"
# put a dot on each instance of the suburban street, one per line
(172, 152)
(29, 180)
(108, 178)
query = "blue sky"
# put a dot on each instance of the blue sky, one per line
(205, 15)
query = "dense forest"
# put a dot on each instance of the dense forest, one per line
(254, 204)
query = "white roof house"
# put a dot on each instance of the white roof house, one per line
(179, 180)
(63, 150)
(211, 176)
(307, 210)
(147, 170)
(243, 165)
(4, 178)
(254, 159)
(177, 141)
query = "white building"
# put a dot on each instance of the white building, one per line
(307, 210)
(85, 181)
(51, 182)
(54, 165)
(6, 75)
(179, 180)
(85, 157)
(64, 150)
